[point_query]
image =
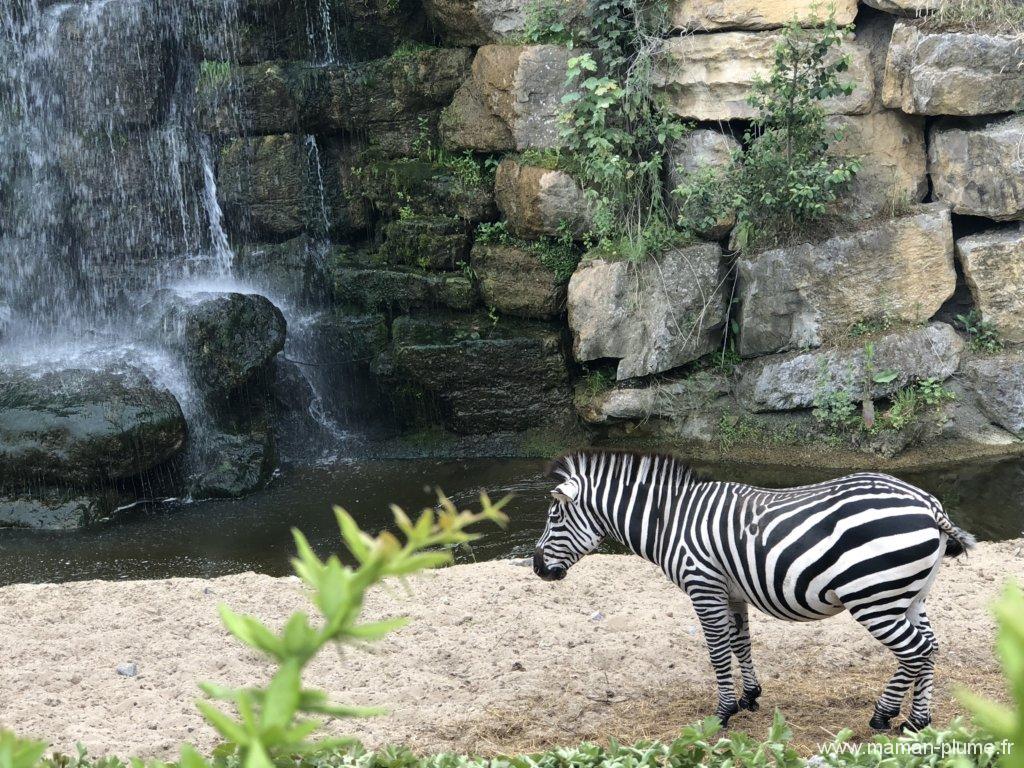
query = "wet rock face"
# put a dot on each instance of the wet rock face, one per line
(993, 263)
(486, 377)
(226, 340)
(234, 464)
(57, 510)
(84, 428)
(791, 381)
(515, 282)
(998, 383)
(652, 316)
(978, 170)
(709, 77)
(714, 15)
(800, 296)
(953, 73)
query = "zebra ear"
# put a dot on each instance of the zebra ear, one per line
(566, 492)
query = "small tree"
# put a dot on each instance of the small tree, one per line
(783, 179)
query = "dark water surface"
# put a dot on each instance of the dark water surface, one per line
(219, 537)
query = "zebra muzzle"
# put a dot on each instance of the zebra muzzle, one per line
(548, 574)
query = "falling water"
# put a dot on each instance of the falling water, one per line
(314, 152)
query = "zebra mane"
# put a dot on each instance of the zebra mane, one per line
(565, 464)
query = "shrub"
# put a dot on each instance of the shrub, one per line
(784, 180)
(984, 336)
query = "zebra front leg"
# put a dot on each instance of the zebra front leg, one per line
(741, 647)
(716, 623)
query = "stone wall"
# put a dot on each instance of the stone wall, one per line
(366, 156)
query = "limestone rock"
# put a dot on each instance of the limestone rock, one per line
(993, 263)
(652, 316)
(979, 171)
(427, 189)
(515, 282)
(998, 383)
(709, 77)
(799, 296)
(429, 242)
(702, 148)
(905, 7)
(662, 400)
(84, 428)
(953, 73)
(537, 201)
(786, 382)
(478, 22)
(893, 161)
(519, 85)
(486, 377)
(714, 15)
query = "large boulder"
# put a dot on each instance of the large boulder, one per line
(786, 382)
(84, 427)
(953, 73)
(709, 77)
(998, 383)
(515, 87)
(802, 295)
(993, 264)
(894, 164)
(514, 281)
(232, 465)
(979, 171)
(702, 149)
(486, 377)
(538, 201)
(651, 316)
(227, 340)
(478, 22)
(715, 15)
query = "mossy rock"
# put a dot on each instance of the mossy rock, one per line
(427, 189)
(428, 242)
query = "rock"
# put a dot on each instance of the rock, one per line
(354, 280)
(539, 201)
(520, 85)
(894, 163)
(83, 428)
(233, 465)
(953, 73)
(998, 383)
(697, 150)
(128, 670)
(661, 400)
(280, 186)
(714, 15)
(478, 22)
(652, 316)
(800, 296)
(905, 7)
(486, 377)
(515, 282)
(781, 383)
(52, 509)
(429, 242)
(226, 340)
(709, 77)
(979, 171)
(290, 270)
(426, 189)
(993, 264)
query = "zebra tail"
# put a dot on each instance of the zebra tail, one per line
(959, 541)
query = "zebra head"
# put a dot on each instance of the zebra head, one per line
(571, 532)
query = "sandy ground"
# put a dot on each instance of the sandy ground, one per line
(494, 660)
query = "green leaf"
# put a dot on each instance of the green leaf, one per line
(282, 698)
(223, 724)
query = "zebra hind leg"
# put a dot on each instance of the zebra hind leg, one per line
(741, 648)
(913, 650)
(716, 623)
(920, 712)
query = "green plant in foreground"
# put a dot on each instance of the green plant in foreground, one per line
(273, 724)
(1006, 722)
(785, 179)
(19, 753)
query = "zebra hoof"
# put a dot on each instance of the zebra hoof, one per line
(880, 722)
(910, 725)
(724, 716)
(748, 700)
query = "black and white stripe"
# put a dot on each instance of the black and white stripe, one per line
(867, 543)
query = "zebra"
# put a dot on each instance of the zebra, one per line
(867, 543)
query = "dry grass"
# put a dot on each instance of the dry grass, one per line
(995, 16)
